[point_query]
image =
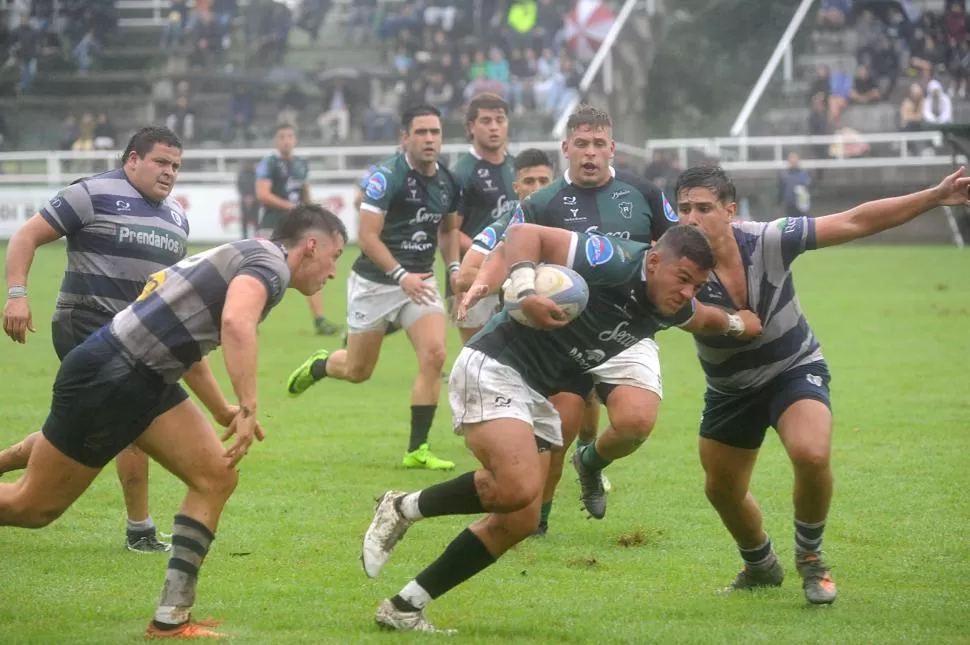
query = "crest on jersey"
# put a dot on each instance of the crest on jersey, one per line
(376, 185)
(626, 209)
(599, 250)
(483, 172)
(669, 211)
(569, 200)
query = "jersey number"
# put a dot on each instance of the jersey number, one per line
(155, 280)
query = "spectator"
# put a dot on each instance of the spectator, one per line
(497, 72)
(439, 93)
(869, 30)
(380, 119)
(911, 110)
(833, 13)
(794, 187)
(292, 103)
(182, 119)
(864, 88)
(334, 120)
(955, 23)
(520, 77)
(960, 69)
(549, 24)
(312, 15)
(242, 112)
(177, 17)
(27, 42)
(248, 206)
(69, 132)
(84, 52)
(885, 66)
(937, 107)
(402, 62)
(85, 139)
(821, 84)
(104, 133)
(926, 55)
(224, 12)
(272, 42)
(207, 42)
(819, 123)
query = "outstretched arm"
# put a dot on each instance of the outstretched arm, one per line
(883, 214)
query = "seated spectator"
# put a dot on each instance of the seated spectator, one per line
(207, 42)
(381, 118)
(84, 52)
(181, 120)
(292, 103)
(26, 47)
(821, 84)
(884, 62)
(937, 107)
(960, 69)
(900, 32)
(242, 112)
(833, 13)
(841, 89)
(497, 71)
(926, 54)
(402, 61)
(272, 41)
(224, 12)
(334, 120)
(911, 110)
(869, 30)
(178, 15)
(864, 88)
(104, 133)
(69, 132)
(439, 93)
(85, 139)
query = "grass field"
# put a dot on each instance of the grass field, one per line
(894, 326)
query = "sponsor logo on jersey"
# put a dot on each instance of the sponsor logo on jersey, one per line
(574, 216)
(487, 238)
(419, 243)
(626, 209)
(503, 206)
(619, 193)
(814, 379)
(669, 211)
(619, 335)
(376, 185)
(587, 359)
(149, 236)
(791, 225)
(623, 235)
(599, 250)
(423, 216)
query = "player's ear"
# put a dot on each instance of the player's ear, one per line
(564, 146)
(732, 211)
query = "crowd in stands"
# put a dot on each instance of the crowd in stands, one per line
(928, 52)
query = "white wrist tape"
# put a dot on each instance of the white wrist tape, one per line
(522, 279)
(735, 325)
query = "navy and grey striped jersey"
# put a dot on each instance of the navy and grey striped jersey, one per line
(178, 317)
(115, 239)
(767, 250)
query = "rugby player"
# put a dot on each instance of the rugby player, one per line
(501, 381)
(779, 379)
(592, 197)
(409, 204)
(282, 180)
(121, 386)
(121, 226)
(487, 176)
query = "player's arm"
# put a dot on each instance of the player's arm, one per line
(883, 214)
(202, 382)
(371, 245)
(705, 320)
(264, 188)
(358, 199)
(246, 299)
(449, 242)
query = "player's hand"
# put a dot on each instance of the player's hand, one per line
(417, 289)
(225, 416)
(245, 428)
(464, 281)
(752, 324)
(17, 320)
(471, 298)
(953, 190)
(543, 313)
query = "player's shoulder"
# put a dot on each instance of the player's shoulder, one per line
(464, 167)
(625, 180)
(112, 182)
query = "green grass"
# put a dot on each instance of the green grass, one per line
(894, 326)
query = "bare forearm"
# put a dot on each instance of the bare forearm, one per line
(494, 270)
(240, 355)
(872, 217)
(378, 253)
(274, 202)
(449, 242)
(202, 382)
(20, 255)
(464, 242)
(709, 321)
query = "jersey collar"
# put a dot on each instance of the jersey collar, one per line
(474, 153)
(569, 181)
(407, 160)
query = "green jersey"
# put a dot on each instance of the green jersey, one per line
(617, 317)
(626, 207)
(486, 188)
(288, 178)
(413, 206)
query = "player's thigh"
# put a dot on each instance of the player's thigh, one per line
(482, 389)
(372, 305)
(184, 443)
(412, 313)
(631, 408)
(427, 336)
(727, 469)
(800, 410)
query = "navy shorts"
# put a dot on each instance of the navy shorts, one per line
(583, 386)
(103, 401)
(741, 421)
(71, 327)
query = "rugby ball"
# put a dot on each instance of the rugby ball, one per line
(562, 285)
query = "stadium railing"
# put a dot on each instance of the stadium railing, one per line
(350, 163)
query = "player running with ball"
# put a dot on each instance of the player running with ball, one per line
(501, 382)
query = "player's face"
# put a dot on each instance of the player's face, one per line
(490, 130)
(589, 151)
(154, 174)
(529, 180)
(320, 255)
(700, 207)
(285, 142)
(672, 282)
(423, 141)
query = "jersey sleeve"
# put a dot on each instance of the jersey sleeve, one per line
(685, 315)
(70, 210)
(601, 260)
(269, 269)
(664, 214)
(457, 200)
(787, 238)
(264, 169)
(377, 191)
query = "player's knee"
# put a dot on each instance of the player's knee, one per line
(432, 358)
(515, 493)
(634, 427)
(219, 482)
(359, 373)
(811, 459)
(720, 492)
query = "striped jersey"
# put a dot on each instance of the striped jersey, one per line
(767, 251)
(177, 319)
(116, 238)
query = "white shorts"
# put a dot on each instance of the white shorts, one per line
(372, 305)
(482, 389)
(479, 315)
(637, 366)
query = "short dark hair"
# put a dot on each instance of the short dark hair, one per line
(531, 158)
(142, 142)
(588, 115)
(711, 177)
(484, 101)
(301, 219)
(285, 125)
(686, 242)
(414, 112)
